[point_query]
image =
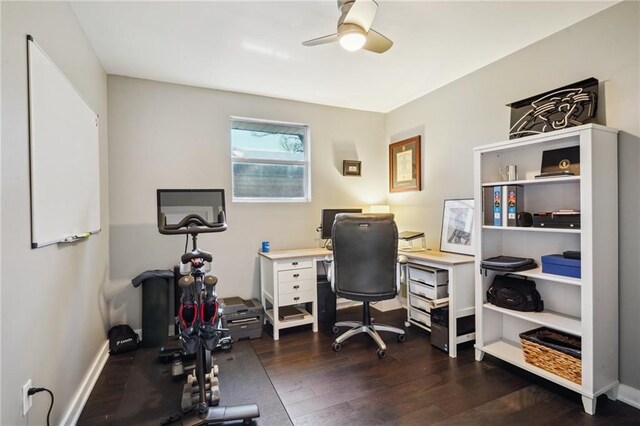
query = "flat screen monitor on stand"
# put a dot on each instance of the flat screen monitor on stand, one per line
(328, 217)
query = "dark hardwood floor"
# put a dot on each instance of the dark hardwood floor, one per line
(416, 384)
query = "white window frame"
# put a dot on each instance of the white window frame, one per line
(306, 163)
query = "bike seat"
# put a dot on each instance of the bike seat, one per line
(196, 254)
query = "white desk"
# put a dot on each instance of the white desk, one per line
(289, 277)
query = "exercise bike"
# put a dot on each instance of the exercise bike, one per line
(199, 318)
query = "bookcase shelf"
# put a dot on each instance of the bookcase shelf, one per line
(585, 307)
(525, 182)
(537, 273)
(532, 229)
(512, 352)
(546, 318)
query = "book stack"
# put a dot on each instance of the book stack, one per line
(288, 313)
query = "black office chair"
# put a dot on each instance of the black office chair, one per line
(365, 268)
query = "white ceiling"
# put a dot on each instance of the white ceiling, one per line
(255, 47)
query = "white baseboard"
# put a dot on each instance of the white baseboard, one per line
(629, 395)
(84, 390)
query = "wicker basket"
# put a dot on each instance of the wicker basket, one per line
(553, 351)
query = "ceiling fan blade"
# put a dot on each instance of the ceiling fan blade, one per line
(376, 42)
(321, 40)
(362, 13)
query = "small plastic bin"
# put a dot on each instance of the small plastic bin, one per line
(558, 265)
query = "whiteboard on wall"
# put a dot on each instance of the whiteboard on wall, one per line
(64, 156)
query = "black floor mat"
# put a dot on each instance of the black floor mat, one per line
(151, 394)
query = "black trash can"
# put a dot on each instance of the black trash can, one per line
(326, 301)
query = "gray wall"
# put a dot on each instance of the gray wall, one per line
(171, 136)
(54, 315)
(471, 111)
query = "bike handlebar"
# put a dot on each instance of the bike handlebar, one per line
(192, 224)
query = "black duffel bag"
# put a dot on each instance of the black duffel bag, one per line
(515, 292)
(122, 339)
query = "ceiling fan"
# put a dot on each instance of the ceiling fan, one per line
(354, 28)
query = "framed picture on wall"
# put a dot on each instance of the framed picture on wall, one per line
(404, 165)
(351, 168)
(457, 226)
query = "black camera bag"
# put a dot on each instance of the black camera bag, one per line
(515, 292)
(122, 338)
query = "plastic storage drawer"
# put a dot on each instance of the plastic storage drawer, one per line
(428, 291)
(420, 316)
(421, 304)
(426, 275)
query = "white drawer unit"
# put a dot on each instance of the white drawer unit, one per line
(289, 278)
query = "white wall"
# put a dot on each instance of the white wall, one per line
(0, 221)
(471, 111)
(170, 136)
(53, 311)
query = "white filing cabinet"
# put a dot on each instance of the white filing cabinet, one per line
(289, 278)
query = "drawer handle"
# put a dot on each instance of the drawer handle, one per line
(294, 263)
(296, 287)
(296, 298)
(296, 275)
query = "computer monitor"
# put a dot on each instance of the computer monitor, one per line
(329, 216)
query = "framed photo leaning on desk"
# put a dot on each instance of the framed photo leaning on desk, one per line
(457, 226)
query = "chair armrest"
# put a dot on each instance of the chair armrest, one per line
(401, 275)
(328, 262)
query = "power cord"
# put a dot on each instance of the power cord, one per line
(177, 416)
(33, 391)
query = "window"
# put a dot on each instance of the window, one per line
(269, 161)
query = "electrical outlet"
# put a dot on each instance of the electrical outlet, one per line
(26, 398)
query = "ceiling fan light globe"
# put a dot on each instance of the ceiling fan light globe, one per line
(352, 41)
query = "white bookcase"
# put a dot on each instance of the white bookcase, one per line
(586, 306)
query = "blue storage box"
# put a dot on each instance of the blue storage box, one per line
(558, 265)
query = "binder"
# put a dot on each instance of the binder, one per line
(497, 206)
(492, 206)
(513, 202)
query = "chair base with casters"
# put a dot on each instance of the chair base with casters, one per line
(368, 327)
